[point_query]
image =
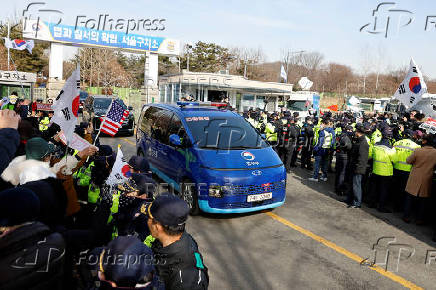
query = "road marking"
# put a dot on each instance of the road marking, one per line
(128, 141)
(333, 246)
(344, 252)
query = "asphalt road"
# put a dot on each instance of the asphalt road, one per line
(312, 242)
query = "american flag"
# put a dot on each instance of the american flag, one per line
(114, 118)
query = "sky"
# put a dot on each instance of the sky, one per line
(329, 27)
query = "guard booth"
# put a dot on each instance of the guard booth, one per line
(20, 82)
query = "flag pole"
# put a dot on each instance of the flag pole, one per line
(9, 37)
(101, 125)
(18, 76)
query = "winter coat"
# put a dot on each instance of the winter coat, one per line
(21, 170)
(180, 265)
(423, 162)
(359, 155)
(32, 257)
(9, 141)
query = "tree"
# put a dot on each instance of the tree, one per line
(207, 57)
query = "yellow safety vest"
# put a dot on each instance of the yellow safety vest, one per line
(43, 124)
(404, 148)
(382, 158)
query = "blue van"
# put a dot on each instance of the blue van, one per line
(213, 158)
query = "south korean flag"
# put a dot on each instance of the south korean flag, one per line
(120, 171)
(412, 88)
(66, 105)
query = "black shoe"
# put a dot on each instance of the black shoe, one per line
(384, 210)
(356, 206)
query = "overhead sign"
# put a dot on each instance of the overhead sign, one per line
(81, 36)
(14, 76)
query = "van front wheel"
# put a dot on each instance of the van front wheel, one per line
(189, 194)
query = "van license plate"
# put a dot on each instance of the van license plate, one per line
(259, 197)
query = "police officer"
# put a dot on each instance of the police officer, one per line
(404, 148)
(271, 131)
(297, 124)
(287, 135)
(343, 148)
(324, 143)
(306, 137)
(383, 155)
(179, 262)
(44, 121)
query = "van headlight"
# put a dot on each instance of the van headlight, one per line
(215, 191)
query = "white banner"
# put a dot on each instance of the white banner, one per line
(412, 88)
(77, 143)
(66, 105)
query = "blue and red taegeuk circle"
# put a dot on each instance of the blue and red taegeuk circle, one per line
(126, 171)
(415, 85)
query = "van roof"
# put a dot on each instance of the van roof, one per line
(198, 111)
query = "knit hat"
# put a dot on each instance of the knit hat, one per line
(18, 205)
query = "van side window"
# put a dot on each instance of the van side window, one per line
(178, 129)
(147, 120)
(162, 119)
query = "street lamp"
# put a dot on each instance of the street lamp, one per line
(188, 47)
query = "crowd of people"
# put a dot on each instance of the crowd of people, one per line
(63, 227)
(384, 160)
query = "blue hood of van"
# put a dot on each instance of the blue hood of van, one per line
(239, 159)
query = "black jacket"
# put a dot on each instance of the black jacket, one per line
(359, 155)
(180, 265)
(344, 145)
(32, 257)
(287, 135)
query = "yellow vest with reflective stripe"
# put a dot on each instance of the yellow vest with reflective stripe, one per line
(269, 132)
(382, 158)
(328, 138)
(404, 148)
(370, 147)
(43, 124)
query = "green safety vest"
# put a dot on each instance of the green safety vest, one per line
(370, 147)
(376, 137)
(114, 210)
(404, 148)
(382, 158)
(338, 132)
(84, 175)
(328, 138)
(149, 241)
(269, 132)
(93, 193)
(43, 124)
(316, 134)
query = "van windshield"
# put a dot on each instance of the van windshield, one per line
(232, 133)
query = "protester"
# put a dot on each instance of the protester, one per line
(419, 184)
(31, 255)
(358, 162)
(9, 137)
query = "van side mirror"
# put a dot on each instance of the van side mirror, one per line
(175, 140)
